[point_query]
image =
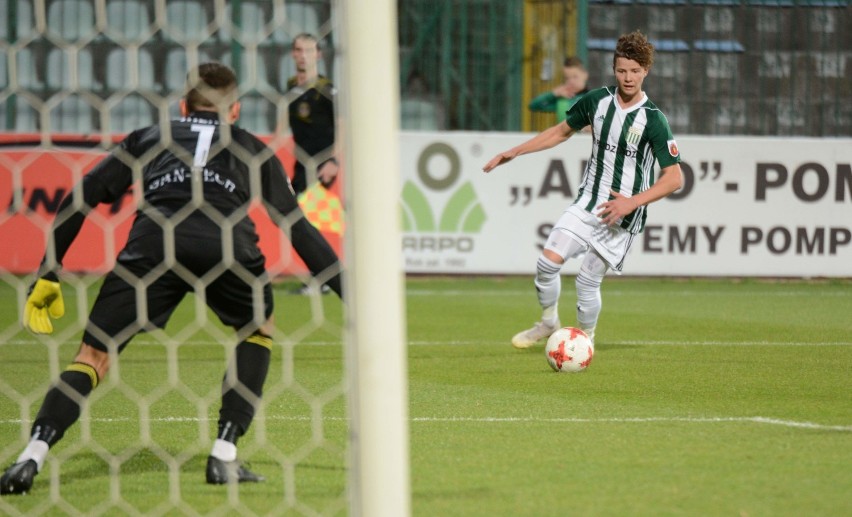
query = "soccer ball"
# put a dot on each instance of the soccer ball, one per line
(569, 350)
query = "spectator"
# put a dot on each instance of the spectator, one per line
(561, 98)
(311, 115)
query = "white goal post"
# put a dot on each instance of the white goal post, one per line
(376, 363)
(83, 73)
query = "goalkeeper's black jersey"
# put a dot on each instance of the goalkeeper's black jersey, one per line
(229, 167)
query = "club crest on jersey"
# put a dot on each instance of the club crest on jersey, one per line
(673, 148)
(634, 134)
(304, 110)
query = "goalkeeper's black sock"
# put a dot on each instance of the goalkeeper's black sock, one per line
(59, 411)
(251, 362)
(240, 396)
(61, 406)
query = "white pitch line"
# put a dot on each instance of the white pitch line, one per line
(724, 343)
(604, 344)
(632, 342)
(698, 420)
(626, 292)
(527, 420)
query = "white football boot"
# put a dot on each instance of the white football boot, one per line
(591, 333)
(531, 336)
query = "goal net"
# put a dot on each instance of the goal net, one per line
(78, 75)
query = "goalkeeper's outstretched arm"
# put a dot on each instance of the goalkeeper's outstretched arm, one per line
(69, 219)
(44, 301)
(316, 253)
(309, 243)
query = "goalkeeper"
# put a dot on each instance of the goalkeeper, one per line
(202, 184)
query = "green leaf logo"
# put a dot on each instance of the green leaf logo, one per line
(463, 213)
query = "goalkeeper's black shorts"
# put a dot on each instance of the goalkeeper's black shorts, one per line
(239, 293)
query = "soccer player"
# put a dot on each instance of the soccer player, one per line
(311, 115)
(197, 176)
(629, 133)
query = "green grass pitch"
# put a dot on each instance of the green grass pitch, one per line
(705, 397)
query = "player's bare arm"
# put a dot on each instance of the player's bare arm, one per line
(671, 179)
(548, 138)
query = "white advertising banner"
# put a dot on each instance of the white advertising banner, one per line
(749, 207)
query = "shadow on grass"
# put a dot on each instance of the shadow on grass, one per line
(444, 495)
(89, 465)
(603, 347)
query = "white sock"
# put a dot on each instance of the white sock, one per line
(224, 450)
(591, 333)
(588, 284)
(35, 450)
(548, 285)
(550, 315)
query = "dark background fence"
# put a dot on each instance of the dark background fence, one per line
(723, 67)
(730, 67)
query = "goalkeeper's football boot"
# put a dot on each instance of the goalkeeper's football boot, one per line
(221, 472)
(531, 336)
(18, 479)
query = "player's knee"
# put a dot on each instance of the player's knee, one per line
(552, 256)
(547, 268)
(97, 359)
(259, 338)
(267, 328)
(591, 273)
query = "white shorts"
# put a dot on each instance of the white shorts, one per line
(610, 242)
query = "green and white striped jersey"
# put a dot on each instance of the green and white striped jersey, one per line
(625, 144)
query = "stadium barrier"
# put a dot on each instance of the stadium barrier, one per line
(750, 207)
(759, 208)
(34, 179)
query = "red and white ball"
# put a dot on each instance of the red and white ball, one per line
(569, 350)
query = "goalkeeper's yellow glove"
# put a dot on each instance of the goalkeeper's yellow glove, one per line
(43, 303)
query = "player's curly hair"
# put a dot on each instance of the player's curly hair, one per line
(635, 46)
(211, 85)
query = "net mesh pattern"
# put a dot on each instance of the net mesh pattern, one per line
(76, 76)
